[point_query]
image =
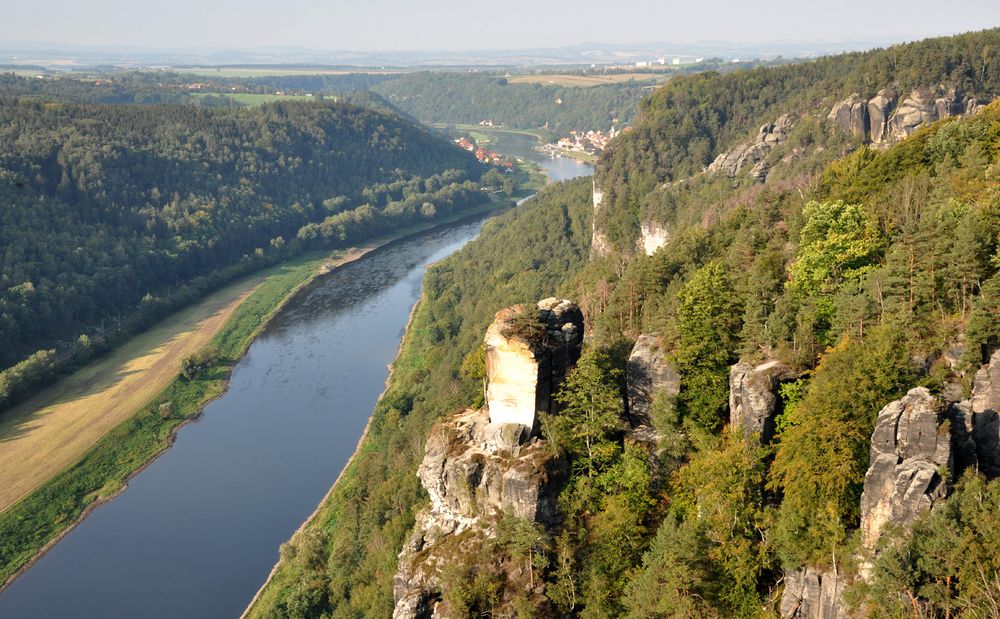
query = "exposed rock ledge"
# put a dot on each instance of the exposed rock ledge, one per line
(752, 153)
(753, 399)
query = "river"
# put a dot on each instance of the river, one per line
(196, 532)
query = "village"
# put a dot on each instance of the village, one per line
(581, 144)
(484, 155)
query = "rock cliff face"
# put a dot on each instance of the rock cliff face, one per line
(752, 153)
(648, 374)
(885, 118)
(976, 422)
(812, 594)
(522, 374)
(599, 243)
(910, 449)
(652, 236)
(481, 464)
(753, 399)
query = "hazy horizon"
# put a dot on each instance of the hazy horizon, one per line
(445, 25)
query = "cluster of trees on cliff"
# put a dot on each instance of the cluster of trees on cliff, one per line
(112, 211)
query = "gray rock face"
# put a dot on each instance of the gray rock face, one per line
(851, 116)
(884, 119)
(648, 374)
(524, 369)
(910, 447)
(985, 408)
(752, 153)
(753, 397)
(599, 243)
(474, 471)
(880, 109)
(812, 594)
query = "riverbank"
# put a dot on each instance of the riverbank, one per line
(27, 528)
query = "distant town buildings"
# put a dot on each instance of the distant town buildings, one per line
(484, 155)
(589, 142)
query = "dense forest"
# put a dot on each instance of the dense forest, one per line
(112, 210)
(471, 98)
(861, 269)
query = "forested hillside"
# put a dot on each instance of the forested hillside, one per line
(857, 273)
(112, 209)
(471, 98)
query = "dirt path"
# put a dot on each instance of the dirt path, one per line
(52, 430)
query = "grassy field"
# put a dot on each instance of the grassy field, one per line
(49, 432)
(28, 526)
(584, 81)
(251, 100)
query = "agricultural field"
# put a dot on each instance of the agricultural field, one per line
(588, 80)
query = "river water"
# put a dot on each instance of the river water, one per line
(196, 533)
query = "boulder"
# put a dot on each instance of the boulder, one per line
(753, 397)
(812, 594)
(910, 449)
(524, 368)
(648, 374)
(918, 108)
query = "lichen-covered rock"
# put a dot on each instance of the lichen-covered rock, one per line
(524, 369)
(812, 594)
(909, 451)
(652, 236)
(753, 397)
(985, 408)
(648, 374)
(752, 153)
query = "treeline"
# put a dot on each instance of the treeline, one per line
(107, 205)
(469, 98)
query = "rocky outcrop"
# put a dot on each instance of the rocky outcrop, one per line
(648, 374)
(752, 153)
(885, 119)
(523, 367)
(599, 243)
(753, 399)
(985, 412)
(851, 116)
(910, 449)
(812, 594)
(652, 236)
(481, 464)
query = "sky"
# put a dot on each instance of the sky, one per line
(476, 24)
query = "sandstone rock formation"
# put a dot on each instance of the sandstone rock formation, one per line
(648, 374)
(599, 243)
(652, 236)
(909, 451)
(812, 594)
(985, 409)
(481, 464)
(753, 397)
(753, 153)
(522, 374)
(885, 119)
